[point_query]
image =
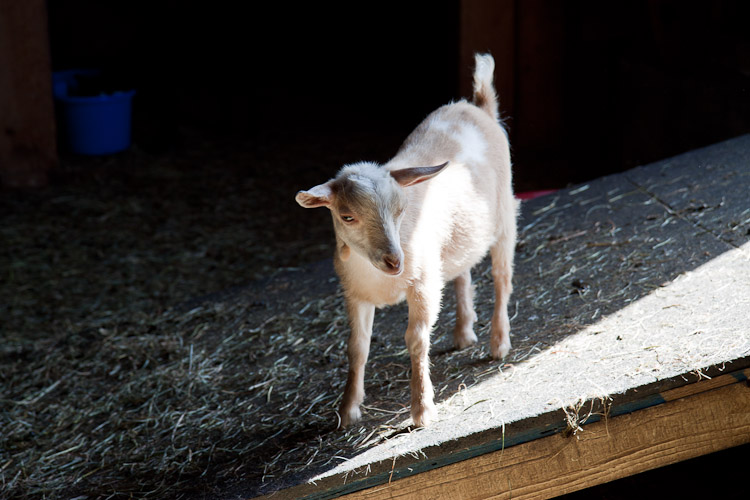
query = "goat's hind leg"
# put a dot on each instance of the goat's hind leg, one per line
(502, 274)
(463, 334)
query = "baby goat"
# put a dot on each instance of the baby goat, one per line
(405, 228)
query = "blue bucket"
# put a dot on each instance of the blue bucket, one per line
(92, 125)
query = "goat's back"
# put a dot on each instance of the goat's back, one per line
(459, 214)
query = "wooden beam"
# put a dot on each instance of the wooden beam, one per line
(527, 40)
(27, 126)
(612, 448)
(489, 26)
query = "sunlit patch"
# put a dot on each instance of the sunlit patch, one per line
(473, 146)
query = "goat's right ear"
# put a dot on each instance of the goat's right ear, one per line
(319, 196)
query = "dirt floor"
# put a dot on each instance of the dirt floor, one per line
(102, 340)
(171, 327)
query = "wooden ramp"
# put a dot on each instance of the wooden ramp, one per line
(631, 334)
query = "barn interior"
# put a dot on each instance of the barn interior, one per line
(130, 279)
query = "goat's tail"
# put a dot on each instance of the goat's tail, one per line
(484, 92)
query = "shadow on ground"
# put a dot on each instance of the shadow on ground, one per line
(171, 328)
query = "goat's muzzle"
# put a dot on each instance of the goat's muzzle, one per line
(393, 264)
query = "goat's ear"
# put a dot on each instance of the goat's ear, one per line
(410, 176)
(319, 196)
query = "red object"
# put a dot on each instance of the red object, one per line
(530, 195)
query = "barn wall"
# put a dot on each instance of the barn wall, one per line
(27, 128)
(588, 88)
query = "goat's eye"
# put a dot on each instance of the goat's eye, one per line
(347, 218)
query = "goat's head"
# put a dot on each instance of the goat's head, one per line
(367, 203)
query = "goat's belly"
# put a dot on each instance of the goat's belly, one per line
(465, 250)
(454, 266)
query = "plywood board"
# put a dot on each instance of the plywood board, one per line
(703, 422)
(621, 294)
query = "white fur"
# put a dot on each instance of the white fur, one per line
(483, 77)
(473, 146)
(402, 232)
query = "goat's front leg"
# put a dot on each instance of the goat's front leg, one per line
(361, 316)
(424, 306)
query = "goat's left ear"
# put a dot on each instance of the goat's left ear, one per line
(410, 176)
(319, 196)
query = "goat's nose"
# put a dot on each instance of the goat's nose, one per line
(392, 263)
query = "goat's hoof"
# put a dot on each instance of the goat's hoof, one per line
(500, 350)
(464, 339)
(423, 414)
(349, 416)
